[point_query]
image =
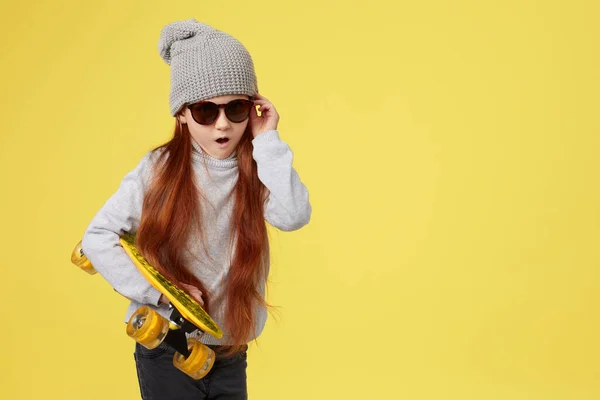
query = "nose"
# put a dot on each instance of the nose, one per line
(222, 122)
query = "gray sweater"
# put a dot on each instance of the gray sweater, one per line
(288, 208)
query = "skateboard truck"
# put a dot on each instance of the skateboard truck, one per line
(176, 337)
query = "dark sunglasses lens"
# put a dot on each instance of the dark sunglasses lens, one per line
(238, 110)
(205, 113)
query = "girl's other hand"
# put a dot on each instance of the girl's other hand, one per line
(164, 299)
(194, 292)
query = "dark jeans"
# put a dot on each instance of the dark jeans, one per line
(159, 379)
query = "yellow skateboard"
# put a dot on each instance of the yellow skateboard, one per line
(150, 329)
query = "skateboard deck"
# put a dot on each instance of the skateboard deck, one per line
(189, 308)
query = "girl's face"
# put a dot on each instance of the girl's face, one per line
(206, 135)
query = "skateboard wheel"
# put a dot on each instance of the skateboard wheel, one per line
(200, 361)
(80, 260)
(147, 327)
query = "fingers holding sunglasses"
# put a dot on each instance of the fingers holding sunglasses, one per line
(260, 99)
(268, 119)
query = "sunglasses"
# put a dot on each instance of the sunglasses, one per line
(206, 112)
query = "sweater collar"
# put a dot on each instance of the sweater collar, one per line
(200, 155)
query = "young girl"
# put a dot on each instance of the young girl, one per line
(198, 206)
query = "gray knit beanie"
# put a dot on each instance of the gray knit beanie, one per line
(205, 63)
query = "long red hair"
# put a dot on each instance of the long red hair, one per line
(172, 210)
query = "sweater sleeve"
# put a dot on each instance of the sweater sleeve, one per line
(100, 244)
(288, 207)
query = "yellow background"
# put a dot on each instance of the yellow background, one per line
(451, 151)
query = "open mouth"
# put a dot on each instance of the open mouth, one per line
(222, 140)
